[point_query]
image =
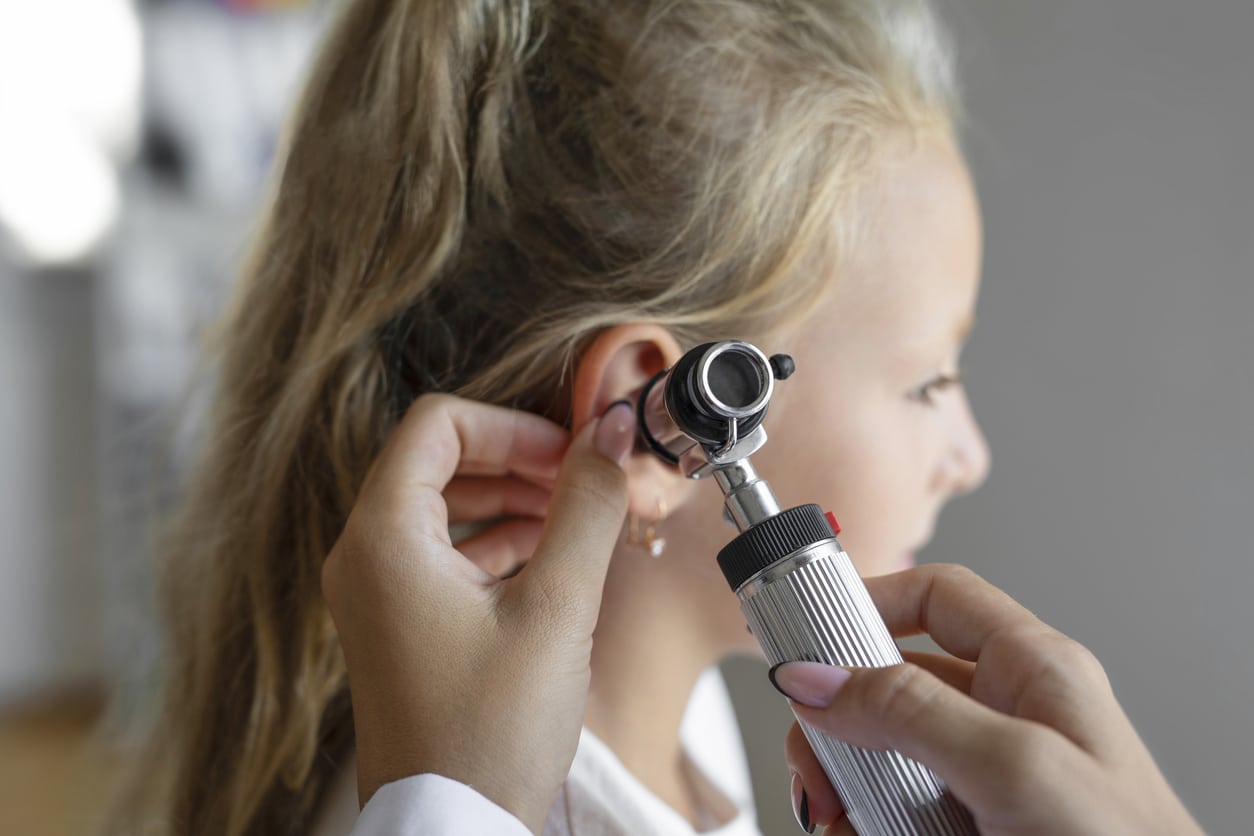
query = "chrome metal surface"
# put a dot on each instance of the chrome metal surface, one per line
(746, 497)
(813, 606)
(698, 462)
(658, 421)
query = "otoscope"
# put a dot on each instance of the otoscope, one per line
(798, 589)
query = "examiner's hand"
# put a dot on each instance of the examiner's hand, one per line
(454, 670)
(1020, 721)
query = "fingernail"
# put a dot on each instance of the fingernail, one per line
(616, 434)
(809, 683)
(801, 804)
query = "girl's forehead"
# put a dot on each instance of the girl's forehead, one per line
(914, 275)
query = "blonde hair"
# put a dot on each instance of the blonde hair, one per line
(472, 191)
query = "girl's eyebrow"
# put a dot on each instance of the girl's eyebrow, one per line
(932, 340)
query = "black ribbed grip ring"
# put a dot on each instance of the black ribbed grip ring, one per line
(771, 540)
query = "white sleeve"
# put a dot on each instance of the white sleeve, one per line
(432, 805)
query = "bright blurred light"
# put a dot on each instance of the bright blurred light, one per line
(70, 73)
(58, 194)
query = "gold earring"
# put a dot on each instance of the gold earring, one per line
(650, 542)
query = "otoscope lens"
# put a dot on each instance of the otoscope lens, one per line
(735, 379)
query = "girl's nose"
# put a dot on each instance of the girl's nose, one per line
(967, 457)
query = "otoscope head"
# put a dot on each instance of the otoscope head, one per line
(718, 385)
(707, 410)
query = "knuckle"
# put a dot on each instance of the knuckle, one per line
(954, 570)
(432, 402)
(1052, 670)
(795, 746)
(1055, 656)
(397, 515)
(1078, 663)
(954, 573)
(901, 694)
(1021, 641)
(427, 409)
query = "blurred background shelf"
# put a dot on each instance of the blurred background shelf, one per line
(53, 775)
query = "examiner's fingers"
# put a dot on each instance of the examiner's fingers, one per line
(442, 435)
(566, 574)
(474, 498)
(952, 604)
(956, 673)
(503, 549)
(978, 751)
(1040, 674)
(823, 802)
(820, 804)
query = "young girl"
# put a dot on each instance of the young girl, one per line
(539, 205)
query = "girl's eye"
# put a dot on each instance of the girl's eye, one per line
(926, 393)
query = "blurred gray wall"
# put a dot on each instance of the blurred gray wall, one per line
(1113, 365)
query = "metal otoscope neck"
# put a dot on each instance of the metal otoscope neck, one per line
(747, 499)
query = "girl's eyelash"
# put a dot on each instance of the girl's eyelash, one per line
(923, 394)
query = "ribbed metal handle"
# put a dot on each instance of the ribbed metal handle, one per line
(812, 606)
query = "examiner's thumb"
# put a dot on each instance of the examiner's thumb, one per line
(585, 517)
(907, 709)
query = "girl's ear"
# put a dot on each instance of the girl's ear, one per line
(618, 362)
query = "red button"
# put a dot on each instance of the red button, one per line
(831, 520)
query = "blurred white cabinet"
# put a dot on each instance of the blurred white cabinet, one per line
(49, 573)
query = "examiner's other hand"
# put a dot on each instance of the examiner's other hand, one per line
(1020, 720)
(454, 670)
